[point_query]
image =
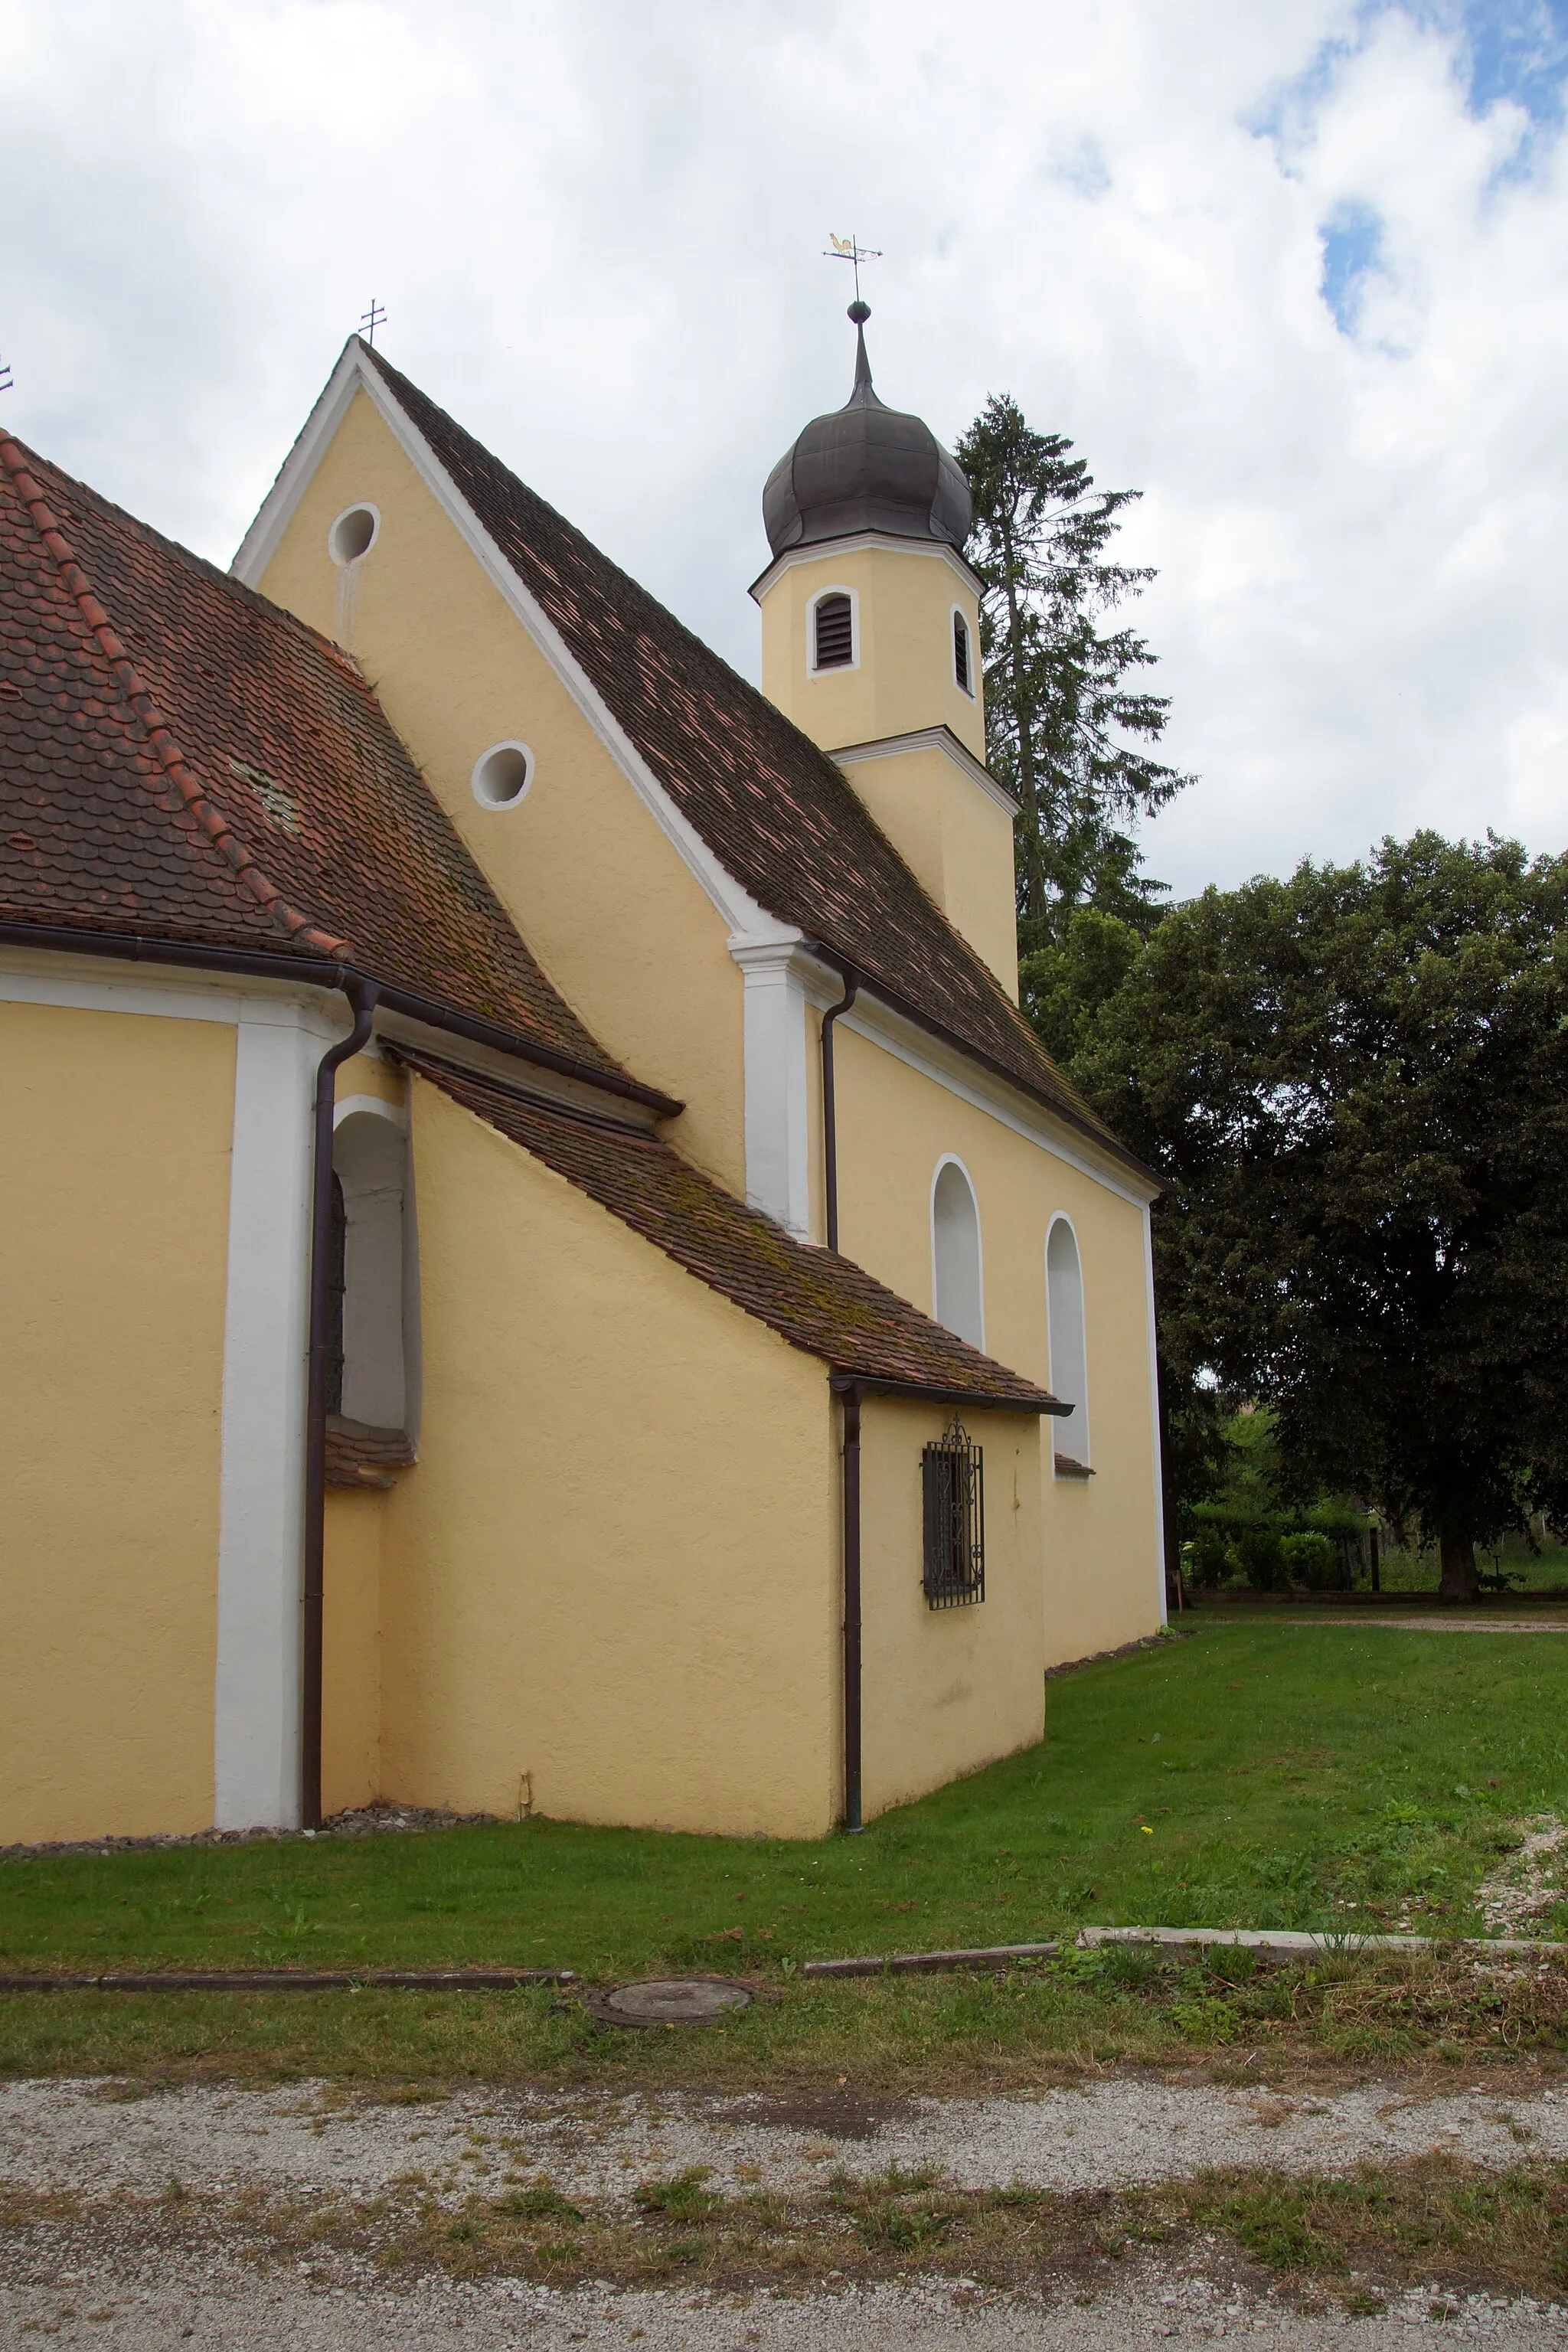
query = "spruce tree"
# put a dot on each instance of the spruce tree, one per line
(1060, 698)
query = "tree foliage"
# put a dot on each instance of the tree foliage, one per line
(1066, 725)
(1355, 1085)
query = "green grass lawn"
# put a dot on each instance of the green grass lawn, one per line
(1252, 1775)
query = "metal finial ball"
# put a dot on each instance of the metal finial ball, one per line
(859, 312)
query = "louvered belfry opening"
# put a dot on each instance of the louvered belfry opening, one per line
(954, 1472)
(961, 652)
(835, 644)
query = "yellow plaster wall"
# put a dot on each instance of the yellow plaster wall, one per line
(603, 899)
(351, 1648)
(957, 839)
(114, 1180)
(610, 1588)
(946, 1690)
(1100, 1539)
(904, 676)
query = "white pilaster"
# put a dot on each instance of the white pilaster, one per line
(256, 1697)
(778, 1163)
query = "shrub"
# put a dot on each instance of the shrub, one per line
(1208, 1558)
(1312, 1560)
(1261, 1552)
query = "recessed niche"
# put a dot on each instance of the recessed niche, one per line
(502, 775)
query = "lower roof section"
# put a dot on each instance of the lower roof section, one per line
(818, 1301)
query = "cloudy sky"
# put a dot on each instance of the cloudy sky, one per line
(1294, 268)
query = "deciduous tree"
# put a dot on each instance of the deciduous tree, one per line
(1355, 1085)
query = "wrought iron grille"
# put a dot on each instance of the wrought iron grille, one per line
(954, 1472)
(961, 651)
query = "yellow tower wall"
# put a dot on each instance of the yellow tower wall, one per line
(956, 836)
(1099, 1537)
(114, 1182)
(944, 1691)
(610, 1588)
(603, 899)
(903, 679)
(351, 1648)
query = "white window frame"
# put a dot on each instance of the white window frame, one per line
(952, 1160)
(355, 506)
(1075, 1427)
(833, 669)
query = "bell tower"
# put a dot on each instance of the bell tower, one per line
(871, 645)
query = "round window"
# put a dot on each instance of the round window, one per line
(353, 534)
(502, 774)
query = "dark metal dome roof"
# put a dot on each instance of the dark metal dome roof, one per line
(866, 467)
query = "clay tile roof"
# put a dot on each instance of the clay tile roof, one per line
(774, 808)
(818, 1301)
(182, 758)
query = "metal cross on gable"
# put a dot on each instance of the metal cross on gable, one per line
(371, 319)
(846, 248)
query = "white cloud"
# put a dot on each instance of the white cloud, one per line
(597, 222)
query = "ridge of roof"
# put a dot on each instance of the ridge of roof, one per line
(820, 1302)
(182, 758)
(144, 704)
(769, 802)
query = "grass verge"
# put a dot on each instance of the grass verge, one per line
(1085, 2013)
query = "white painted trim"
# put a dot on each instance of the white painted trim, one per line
(257, 1685)
(952, 1160)
(778, 1155)
(1160, 1561)
(974, 1084)
(369, 1106)
(931, 738)
(959, 615)
(833, 669)
(354, 374)
(355, 506)
(1072, 1427)
(513, 800)
(815, 549)
(79, 985)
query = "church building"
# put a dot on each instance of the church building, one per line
(545, 1272)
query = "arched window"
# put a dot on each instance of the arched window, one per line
(833, 631)
(374, 1313)
(957, 1285)
(1069, 1348)
(963, 666)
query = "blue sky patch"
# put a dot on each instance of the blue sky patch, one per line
(1352, 240)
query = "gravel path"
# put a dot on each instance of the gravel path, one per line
(69, 2134)
(225, 2309)
(84, 2285)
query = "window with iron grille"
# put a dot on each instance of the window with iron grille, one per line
(960, 654)
(954, 1472)
(835, 637)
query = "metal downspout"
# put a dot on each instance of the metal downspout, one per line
(830, 1106)
(362, 995)
(852, 1774)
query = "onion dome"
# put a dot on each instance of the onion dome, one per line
(866, 467)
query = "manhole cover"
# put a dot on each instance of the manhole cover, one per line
(673, 2000)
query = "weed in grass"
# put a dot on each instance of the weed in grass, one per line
(682, 2197)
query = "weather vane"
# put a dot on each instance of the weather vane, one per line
(373, 318)
(845, 248)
